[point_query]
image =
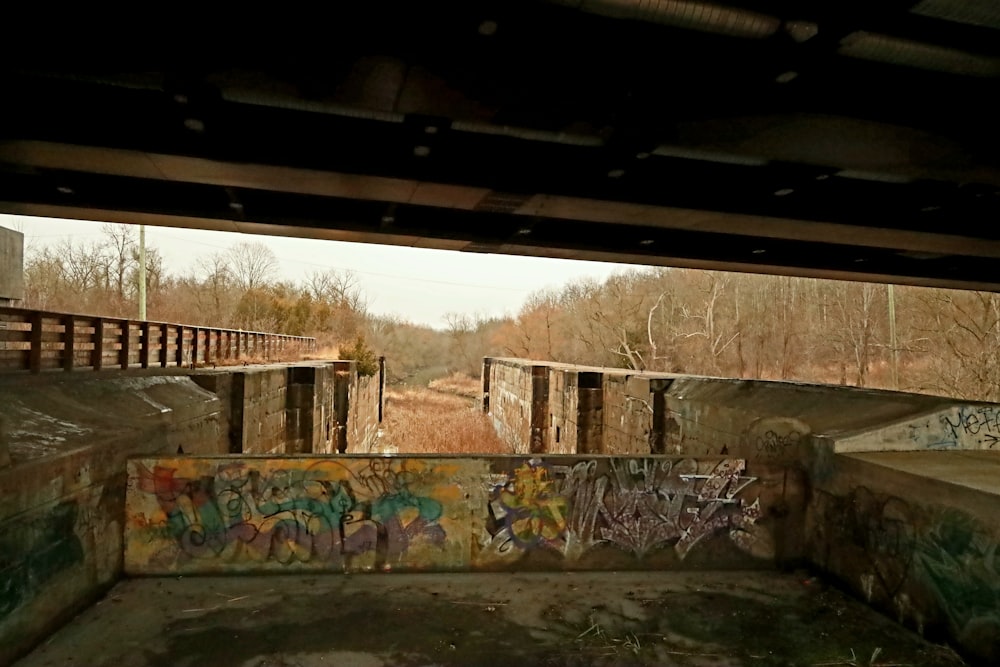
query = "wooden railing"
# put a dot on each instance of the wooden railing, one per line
(35, 341)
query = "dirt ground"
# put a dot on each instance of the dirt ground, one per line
(717, 619)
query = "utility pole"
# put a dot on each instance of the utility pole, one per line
(142, 272)
(892, 336)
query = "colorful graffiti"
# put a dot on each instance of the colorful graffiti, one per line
(192, 514)
(335, 514)
(637, 505)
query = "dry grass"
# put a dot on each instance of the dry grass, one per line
(460, 384)
(424, 421)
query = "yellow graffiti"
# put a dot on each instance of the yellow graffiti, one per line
(540, 510)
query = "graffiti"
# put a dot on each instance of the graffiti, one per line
(959, 562)
(875, 532)
(328, 512)
(34, 551)
(533, 512)
(774, 437)
(933, 567)
(636, 505)
(974, 421)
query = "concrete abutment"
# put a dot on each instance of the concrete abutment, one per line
(241, 471)
(67, 438)
(900, 492)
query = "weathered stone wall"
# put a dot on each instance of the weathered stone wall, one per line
(510, 402)
(628, 414)
(622, 412)
(265, 405)
(563, 400)
(201, 515)
(365, 413)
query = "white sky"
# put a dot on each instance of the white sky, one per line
(416, 284)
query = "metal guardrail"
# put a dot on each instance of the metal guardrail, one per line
(35, 341)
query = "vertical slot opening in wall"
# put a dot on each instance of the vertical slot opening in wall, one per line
(590, 413)
(557, 433)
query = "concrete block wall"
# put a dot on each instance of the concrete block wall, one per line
(558, 408)
(439, 513)
(563, 401)
(628, 414)
(265, 405)
(622, 412)
(365, 420)
(511, 400)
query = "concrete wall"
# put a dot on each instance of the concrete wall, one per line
(653, 413)
(62, 497)
(310, 407)
(11, 266)
(364, 420)
(510, 402)
(909, 533)
(221, 515)
(563, 404)
(62, 493)
(904, 488)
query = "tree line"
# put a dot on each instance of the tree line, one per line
(771, 327)
(658, 319)
(235, 288)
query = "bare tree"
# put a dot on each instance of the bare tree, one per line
(252, 264)
(121, 243)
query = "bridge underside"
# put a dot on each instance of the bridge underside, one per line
(833, 140)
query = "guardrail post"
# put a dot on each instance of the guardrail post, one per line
(35, 353)
(97, 354)
(123, 354)
(69, 341)
(179, 354)
(164, 330)
(195, 333)
(144, 345)
(164, 343)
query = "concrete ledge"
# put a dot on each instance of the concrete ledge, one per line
(248, 515)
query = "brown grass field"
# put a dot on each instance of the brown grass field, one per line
(426, 421)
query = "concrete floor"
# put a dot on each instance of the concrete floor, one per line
(717, 619)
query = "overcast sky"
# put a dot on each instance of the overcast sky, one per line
(414, 283)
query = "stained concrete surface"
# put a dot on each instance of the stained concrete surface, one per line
(717, 619)
(975, 469)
